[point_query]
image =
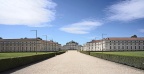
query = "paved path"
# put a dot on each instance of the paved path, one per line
(73, 62)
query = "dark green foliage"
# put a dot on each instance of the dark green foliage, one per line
(85, 52)
(9, 63)
(134, 36)
(133, 61)
(60, 52)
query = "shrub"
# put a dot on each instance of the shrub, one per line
(10, 63)
(85, 52)
(133, 61)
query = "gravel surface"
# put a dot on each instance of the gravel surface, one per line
(73, 62)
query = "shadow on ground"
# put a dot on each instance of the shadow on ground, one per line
(19, 68)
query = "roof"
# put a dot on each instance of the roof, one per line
(52, 42)
(94, 41)
(124, 38)
(72, 42)
(22, 39)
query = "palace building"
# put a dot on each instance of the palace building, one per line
(28, 45)
(133, 43)
(72, 45)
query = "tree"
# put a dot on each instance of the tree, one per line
(39, 38)
(134, 36)
(1, 38)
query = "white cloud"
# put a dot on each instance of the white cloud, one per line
(127, 10)
(33, 13)
(83, 27)
(141, 30)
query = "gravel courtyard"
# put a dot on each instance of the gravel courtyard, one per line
(73, 62)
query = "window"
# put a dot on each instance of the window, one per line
(110, 47)
(118, 47)
(22, 48)
(114, 47)
(122, 47)
(118, 43)
(122, 43)
(139, 43)
(30, 48)
(26, 48)
(131, 43)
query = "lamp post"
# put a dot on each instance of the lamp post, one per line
(46, 41)
(102, 41)
(36, 40)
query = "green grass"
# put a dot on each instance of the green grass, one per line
(125, 53)
(20, 54)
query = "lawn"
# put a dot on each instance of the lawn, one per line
(125, 53)
(20, 54)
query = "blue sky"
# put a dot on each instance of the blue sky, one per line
(66, 20)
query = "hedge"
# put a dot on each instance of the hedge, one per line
(134, 61)
(85, 52)
(9, 63)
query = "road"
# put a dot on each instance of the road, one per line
(73, 62)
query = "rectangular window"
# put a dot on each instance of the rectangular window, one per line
(122, 47)
(114, 47)
(122, 43)
(139, 47)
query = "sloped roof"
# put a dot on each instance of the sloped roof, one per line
(124, 38)
(94, 41)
